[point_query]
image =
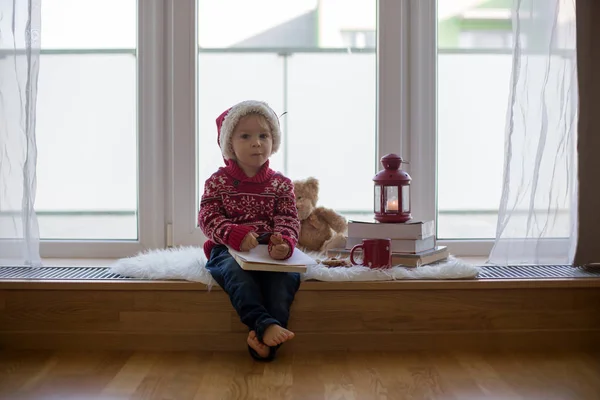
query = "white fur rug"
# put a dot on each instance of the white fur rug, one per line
(187, 263)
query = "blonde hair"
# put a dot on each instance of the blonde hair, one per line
(262, 121)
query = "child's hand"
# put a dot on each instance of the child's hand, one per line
(280, 248)
(249, 241)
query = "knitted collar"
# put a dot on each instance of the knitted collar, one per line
(264, 174)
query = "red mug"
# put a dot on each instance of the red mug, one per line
(377, 253)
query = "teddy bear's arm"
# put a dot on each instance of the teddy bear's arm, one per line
(333, 219)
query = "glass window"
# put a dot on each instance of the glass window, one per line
(474, 67)
(87, 120)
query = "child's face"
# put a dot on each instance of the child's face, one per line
(252, 143)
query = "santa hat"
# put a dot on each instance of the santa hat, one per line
(227, 121)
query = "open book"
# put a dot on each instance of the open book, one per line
(258, 259)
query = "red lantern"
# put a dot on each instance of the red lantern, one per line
(392, 191)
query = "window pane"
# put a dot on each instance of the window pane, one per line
(313, 60)
(332, 126)
(87, 121)
(89, 24)
(474, 67)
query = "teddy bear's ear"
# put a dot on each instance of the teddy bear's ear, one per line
(313, 184)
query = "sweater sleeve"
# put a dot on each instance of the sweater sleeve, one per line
(213, 220)
(286, 219)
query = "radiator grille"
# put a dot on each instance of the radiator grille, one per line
(60, 273)
(535, 272)
(103, 273)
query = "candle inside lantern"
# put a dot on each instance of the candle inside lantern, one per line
(392, 205)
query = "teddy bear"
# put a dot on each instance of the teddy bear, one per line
(321, 228)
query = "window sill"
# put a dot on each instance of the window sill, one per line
(401, 285)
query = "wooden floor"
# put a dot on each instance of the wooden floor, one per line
(340, 375)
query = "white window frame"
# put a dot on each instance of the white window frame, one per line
(168, 192)
(181, 121)
(406, 112)
(422, 137)
(150, 137)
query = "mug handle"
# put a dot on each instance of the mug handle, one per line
(358, 246)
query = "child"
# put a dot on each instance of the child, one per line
(245, 204)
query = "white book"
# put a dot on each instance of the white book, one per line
(401, 245)
(383, 230)
(258, 259)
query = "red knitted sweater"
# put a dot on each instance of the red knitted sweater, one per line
(233, 205)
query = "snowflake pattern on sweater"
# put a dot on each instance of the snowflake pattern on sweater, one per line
(233, 205)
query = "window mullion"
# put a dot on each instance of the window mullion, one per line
(151, 132)
(407, 94)
(392, 78)
(181, 121)
(423, 107)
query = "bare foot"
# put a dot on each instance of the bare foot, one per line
(261, 349)
(275, 334)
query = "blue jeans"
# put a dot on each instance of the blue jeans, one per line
(260, 298)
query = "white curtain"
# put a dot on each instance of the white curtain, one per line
(537, 217)
(19, 64)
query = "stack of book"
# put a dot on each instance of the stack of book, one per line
(413, 242)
